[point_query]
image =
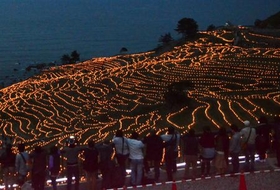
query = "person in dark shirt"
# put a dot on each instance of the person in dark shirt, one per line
(38, 171)
(262, 140)
(71, 151)
(8, 159)
(90, 164)
(276, 136)
(207, 143)
(106, 164)
(222, 149)
(190, 152)
(54, 165)
(154, 151)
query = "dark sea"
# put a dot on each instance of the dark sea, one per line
(41, 31)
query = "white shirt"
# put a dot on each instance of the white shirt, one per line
(121, 145)
(245, 133)
(135, 149)
(21, 165)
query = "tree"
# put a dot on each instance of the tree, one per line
(123, 50)
(65, 59)
(75, 56)
(176, 95)
(187, 27)
(211, 27)
(165, 39)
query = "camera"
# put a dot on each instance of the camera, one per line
(71, 141)
(72, 137)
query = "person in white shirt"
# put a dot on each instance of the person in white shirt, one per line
(21, 164)
(136, 158)
(248, 136)
(122, 150)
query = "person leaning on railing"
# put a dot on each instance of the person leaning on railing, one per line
(71, 152)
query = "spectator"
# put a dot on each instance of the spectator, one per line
(171, 143)
(222, 147)
(106, 165)
(207, 143)
(7, 160)
(136, 158)
(54, 165)
(71, 152)
(38, 172)
(248, 136)
(262, 140)
(154, 151)
(90, 165)
(122, 151)
(235, 148)
(276, 129)
(22, 164)
(190, 152)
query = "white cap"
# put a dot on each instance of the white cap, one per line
(247, 123)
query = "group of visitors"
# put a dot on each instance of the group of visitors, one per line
(112, 157)
(146, 153)
(22, 163)
(217, 147)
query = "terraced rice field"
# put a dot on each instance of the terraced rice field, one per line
(94, 98)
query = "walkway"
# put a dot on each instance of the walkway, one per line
(265, 176)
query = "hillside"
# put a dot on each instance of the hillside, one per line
(273, 21)
(94, 98)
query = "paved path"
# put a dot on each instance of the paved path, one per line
(265, 176)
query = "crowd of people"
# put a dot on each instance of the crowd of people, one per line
(152, 152)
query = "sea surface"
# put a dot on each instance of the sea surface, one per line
(41, 31)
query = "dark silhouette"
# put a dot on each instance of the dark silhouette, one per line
(54, 165)
(190, 152)
(90, 165)
(262, 140)
(7, 161)
(165, 39)
(154, 151)
(276, 129)
(187, 27)
(123, 50)
(211, 27)
(207, 142)
(106, 165)
(73, 58)
(222, 148)
(171, 141)
(176, 96)
(38, 172)
(71, 152)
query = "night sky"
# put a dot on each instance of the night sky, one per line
(217, 12)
